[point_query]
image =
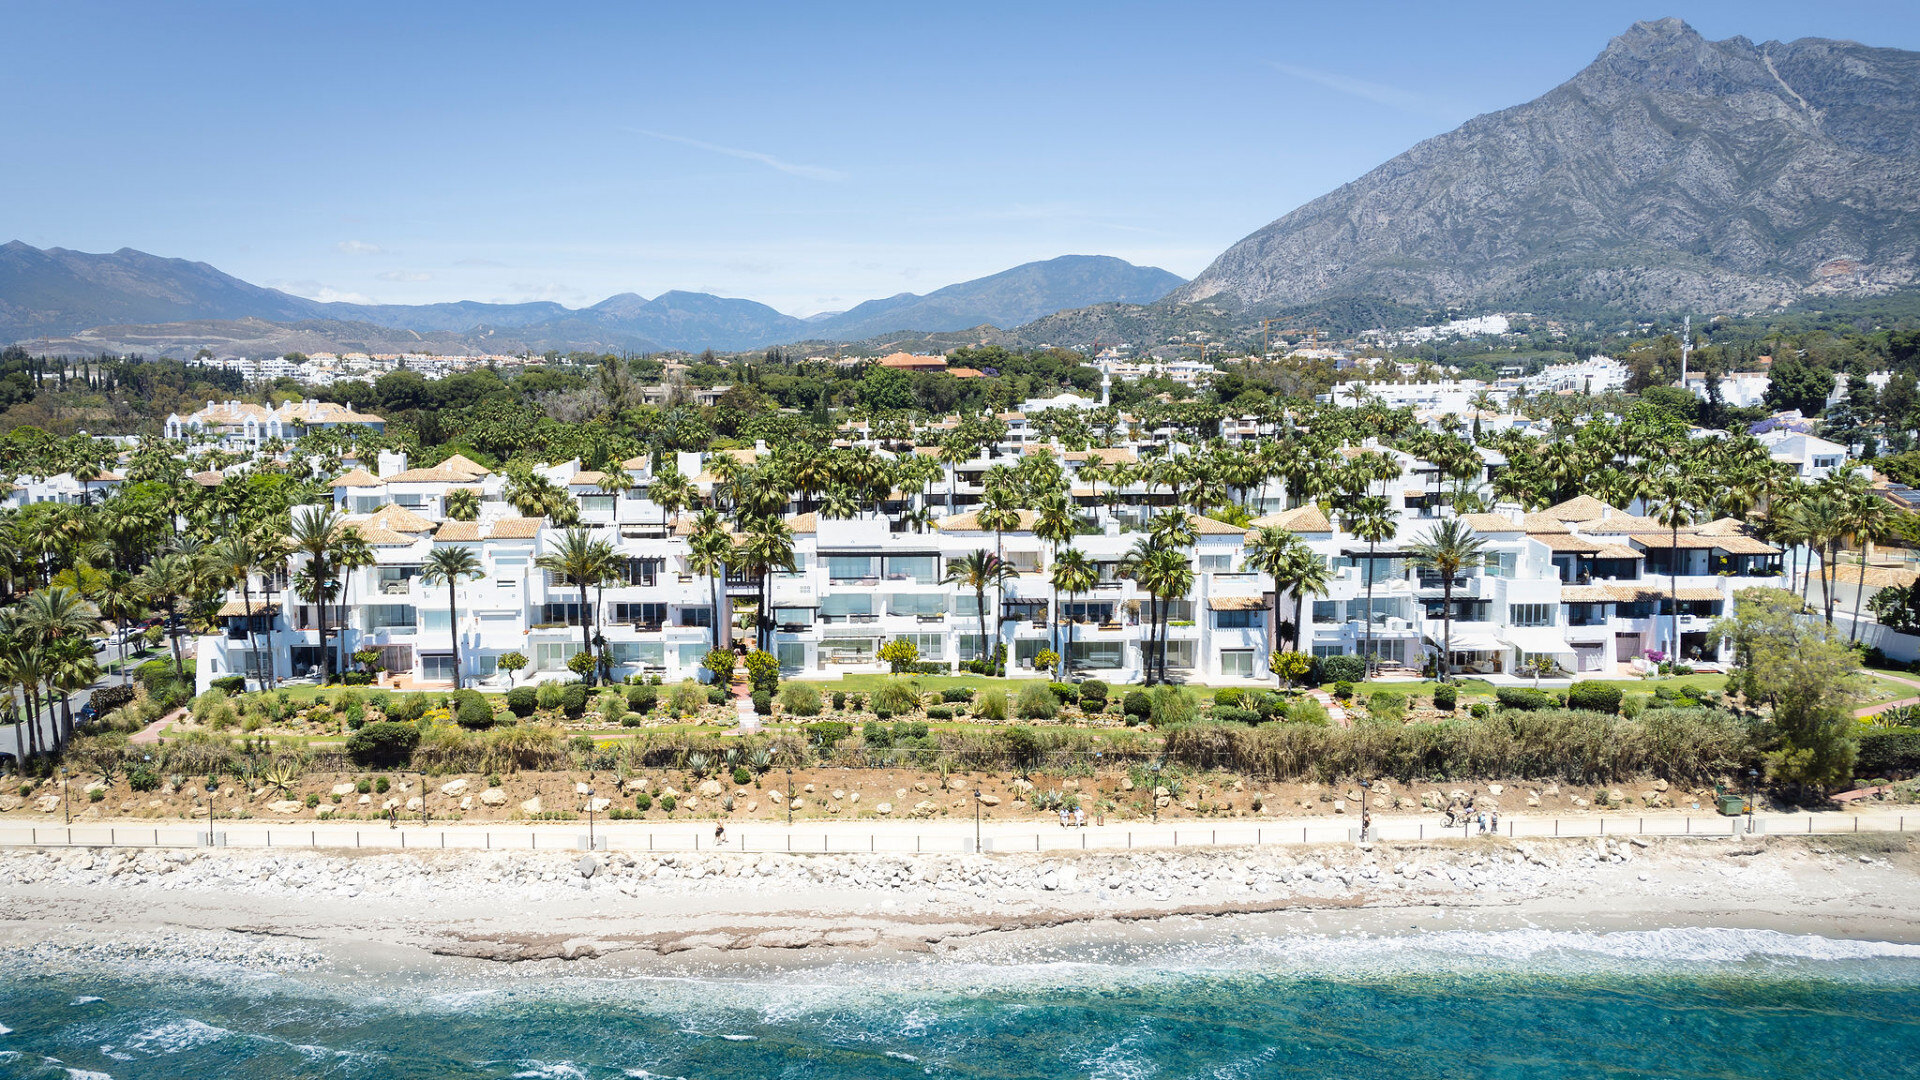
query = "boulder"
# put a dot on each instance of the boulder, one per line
(415, 803)
(883, 809)
(1659, 785)
(691, 804)
(1070, 784)
(837, 793)
(1161, 793)
(1126, 783)
(364, 800)
(454, 787)
(921, 786)
(587, 866)
(286, 806)
(466, 802)
(532, 806)
(582, 789)
(853, 796)
(989, 800)
(954, 783)
(93, 787)
(797, 804)
(752, 805)
(1495, 789)
(11, 802)
(343, 789)
(389, 804)
(1339, 806)
(808, 789)
(600, 805)
(493, 796)
(47, 804)
(1406, 803)
(710, 789)
(1380, 787)
(638, 783)
(923, 808)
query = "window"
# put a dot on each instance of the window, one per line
(562, 614)
(1175, 611)
(596, 504)
(924, 569)
(967, 605)
(553, 655)
(1326, 611)
(436, 667)
(700, 616)
(791, 654)
(969, 646)
(1237, 620)
(852, 567)
(1530, 614)
(645, 614)
(1180, 654)
(1096, 655)
(394, 617)
(434, 621)
(1221, 563)
(1088, 612)
(1324, 651)
(638, 652)
(1236, 663)
(839, 607)
(643, 571)
(1501, 564)
(917, 604)
(789, 616)
(931, 646)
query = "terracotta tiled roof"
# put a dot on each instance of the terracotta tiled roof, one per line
(1629, 593)
(238, 609)
(1879, 577)
(1104, 454)
(970, 522)
(1567, 542)
(439, 474)
(1578, 508)
(1490, 523)
(380, 536)
(400, 519)
(1622, 524)
(208, 479)
(586, 479)
(521, 528)
(1685, 541)
(464, 464)
(1206, 526)
(1300, 519)
(357, 478)
(804, 523)
(1542, 523)
(455, 531)
(1235, 603)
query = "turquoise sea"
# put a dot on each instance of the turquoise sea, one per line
(1523, 1004)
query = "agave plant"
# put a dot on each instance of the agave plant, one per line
(281, 774)
(763, 758)
(726, 803)
(698, 763)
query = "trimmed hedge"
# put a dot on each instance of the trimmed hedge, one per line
(1525, 699)
(521, 701)
(1093, 695)
(1889, 753)
(1343, 669)
(232, 684)
(383, 745)
(1445, 697)
(573, 699)
(471, 710)
(1598, 697)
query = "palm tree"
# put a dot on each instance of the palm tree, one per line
(1165, 572)
(1869, 519)
(1449, 550)
(1370, 519)
(316, 536)
(452, 564)
(979, 570)
(71, 667)
(1073, 572)
(24, 666)
(463, 504)
(709, 550)
(237, 559)
(1672, 498)
(353, 553)
(52, 620)
(1270, 552)
(672, 493)
(766, 547)
(121, 602)
(577, 560)
(166, 581)
(1054, 524)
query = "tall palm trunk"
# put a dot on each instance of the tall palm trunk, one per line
(273, 666)
(713, 590)
(586, 632)
(1859, 590)
(1673, 581)
(1446, 629)
(246, 604)
(980, 600)
(1372, 657)
(453, 628)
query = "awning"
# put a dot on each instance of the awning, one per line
(1235, 603)
(1469, 643)
(1536, 639)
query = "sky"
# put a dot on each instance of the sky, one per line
(806, 155)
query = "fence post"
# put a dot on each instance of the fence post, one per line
(156, 838)
(1556, 826)
(313, 838)
(1856, 823)
(1603, 826)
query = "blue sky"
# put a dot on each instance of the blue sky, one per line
(809, 156)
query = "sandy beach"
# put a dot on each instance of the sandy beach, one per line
(553, 912)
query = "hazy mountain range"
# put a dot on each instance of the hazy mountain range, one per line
(130, 298)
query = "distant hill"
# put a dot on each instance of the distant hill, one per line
(1673, 173)
(59, 299)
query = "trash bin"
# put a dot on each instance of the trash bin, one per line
(1732, 805)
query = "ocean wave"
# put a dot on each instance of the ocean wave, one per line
(1689, 945)
(550, 1070)
(175, 1036)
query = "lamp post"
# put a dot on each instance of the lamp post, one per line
(789, 796)
(1753, 784)
(1154, 794)
(590, 844)
(423, 800)
(66, 803)
(212, 787)
(976, 819)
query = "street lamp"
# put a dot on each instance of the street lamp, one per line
(1154, 794)
(789, 796)
(1753, 784)
(423, 800)
(213, 786)
(590, 845)
(65, 802)
(976, 818)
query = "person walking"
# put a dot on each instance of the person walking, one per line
(719, 834)
(1366, 824)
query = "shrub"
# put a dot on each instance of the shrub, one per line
(895, 697)
(876, 735)
(1595, 696)
(687, 698)
(632, 719)
(1479, 710)
(900, 654)
(232, 684)
(1343, 669)
(511, 662)
(826, 733)
(939, 712)
(470, 708)
(521, 701)
(96, 795)
(642, 699)
(581, 663)
(719, 695)
(383, 745)
(1343, 689)
(1093, 695)
(1046, 660)
(1171, 705)
(357, 678)
(1389, 705)
(313, 799)
(612, 706)
(741, 776)
(1632, 705)
(550, 694)
(143, 777)
(363, 785)
(1888, 752)
(990, 706)
(573, 698)
(1229, 696)
(1137, 704)
(643, 802)
(382, 785)
(1068, 693)
(800, 699)
(956, 695)
(213, 709)
(720, 662)
(763, 703)
(1036, 702)
(1309, 711)
(668, 803)
(1525, 699)
(108, 698)
(839, 700)
(1234, 714)
(1445, 697)
(763, 670)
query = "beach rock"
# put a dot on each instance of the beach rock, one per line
(954, 783)
(343, 789)
(454, 787)
(1495, 789)
(1339, 806)
(416, 803)
(752, 805)
(638, 783)
(921, 786)
(853, 797)
(587, 866)
(47, 804)
(389, 804)
(600, 805)
(582, 789)
(989, 800)
(797, 804)
(883, 809)
(1406, 802)
(837, 793)
(782, 939)
(286, 806)
(365, 800)
(531, 806)
(493, 796)
(1126, 783)
(466, 802)
(710, 789)
(1380, 787)
(11, 802)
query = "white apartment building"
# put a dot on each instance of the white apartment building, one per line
(239, 425)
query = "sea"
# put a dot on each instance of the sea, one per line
(1520, 1003)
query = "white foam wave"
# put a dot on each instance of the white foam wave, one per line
(175, 1036)
(898, 1056)
(1691, 945)
(85, 1000)
(87, 1074)
(5, 1030)
(554, 1070)
(740, 1038)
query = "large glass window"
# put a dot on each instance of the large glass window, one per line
(791, 654)
(436, 667)
(1327, 611)
(931, 646)
(701, 616)
(791, 616)
(394, 617)
(1219, 563)
(644, 614)
(1180, 654)
(1238, 620)
(434, 621)
(917, 604)
(1236, 663)
(638, 652)
(553, 655)
(1530, 614)
(596, 504)
(562, 614)
(840, 606)
(852, 567)
(924, 569)
(1177, 611)
(1097, 655)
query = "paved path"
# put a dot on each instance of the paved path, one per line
(152, 732)
(1875, 710)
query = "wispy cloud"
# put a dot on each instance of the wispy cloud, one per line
(404, 275)
(1391, 97)
(358, 247)
(810, 172)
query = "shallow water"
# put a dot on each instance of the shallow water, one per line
(1671, 1003)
